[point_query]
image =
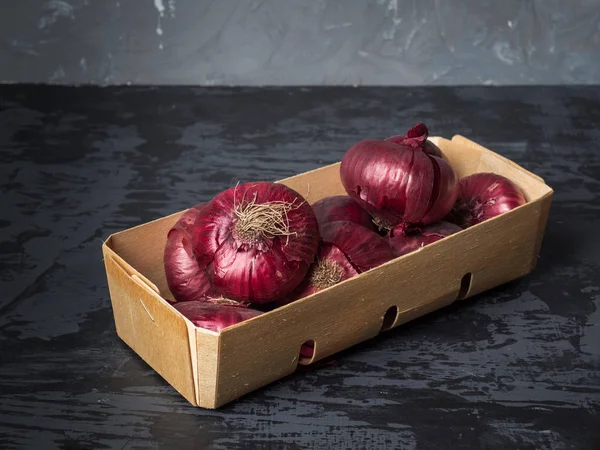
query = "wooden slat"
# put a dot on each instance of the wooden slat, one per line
(151, 327)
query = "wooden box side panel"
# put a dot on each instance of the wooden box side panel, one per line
(468, 157)
(318, 183)
(545, 205)
(500, 250)
(151, 327)
(266, 348)
(142, 248)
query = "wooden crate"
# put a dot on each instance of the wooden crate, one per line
(211, 369)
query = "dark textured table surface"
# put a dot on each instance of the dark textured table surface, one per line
(515, 368)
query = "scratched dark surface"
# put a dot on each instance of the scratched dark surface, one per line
(517, 367)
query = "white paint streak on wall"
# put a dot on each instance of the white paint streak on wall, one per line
(56, 9)
(393, 6)
(336, 26)
(505, 53)
(160, 7)
(23, 47)
(58, 75)
(390, 34)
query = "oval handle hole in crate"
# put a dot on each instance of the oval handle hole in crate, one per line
(465, 286)
(389, 318)
(307, 352)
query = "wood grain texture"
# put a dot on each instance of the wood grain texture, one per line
(154, 330)
(516, 367)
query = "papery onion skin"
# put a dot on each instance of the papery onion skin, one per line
(398, 183)
(483, 196)
(262, 268)
(187, 281)
(363, 248)
(402, 243)
(448, 183)
(417, 137)
(213, 316)
(341, 208)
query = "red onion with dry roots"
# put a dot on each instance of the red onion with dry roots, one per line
(483, 196)
(347, 250)
(399, 183)
(256, 241)
(341, 208)
(214, 316)
(186, 280)
(330, 268)
(403, 243)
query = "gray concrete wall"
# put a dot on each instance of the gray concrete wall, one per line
(311, 42)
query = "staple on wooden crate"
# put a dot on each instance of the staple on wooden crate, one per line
(146, 309)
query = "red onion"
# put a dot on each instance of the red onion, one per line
(347, 250)
(405, 242)
(307, 350)
(341, 207)
(417, 137)
(257, 241)
(214, 316)
(399, 183)
(330, 268)
(363, 248)
(483, 196)
(186, 280)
